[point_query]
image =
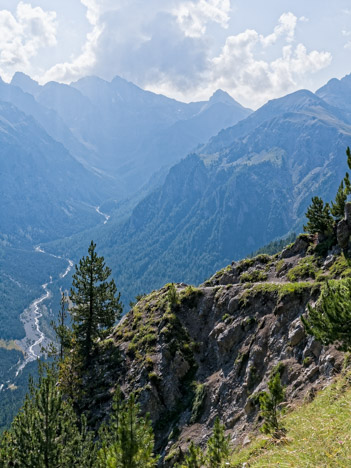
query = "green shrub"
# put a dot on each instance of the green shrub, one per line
(198, 402)
(253, 277)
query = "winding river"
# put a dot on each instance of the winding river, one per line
(32, 343)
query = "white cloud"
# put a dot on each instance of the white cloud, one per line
(193, 17)
(286, 27)
(240, 70)
(23, 34)
(164, 47)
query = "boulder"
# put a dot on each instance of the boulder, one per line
(343, 234)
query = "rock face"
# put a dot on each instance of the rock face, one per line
(213, 349)
(343, 231)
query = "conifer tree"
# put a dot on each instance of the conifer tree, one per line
(62, 331)
(269, 405)
(319, 218)
(96, 304)
(330, 320)
(195, 457)
(217, 446)
(45, 432)
(338, 207)
(127, 441)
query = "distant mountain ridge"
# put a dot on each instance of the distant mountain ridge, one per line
(248, 185)
(127, 132)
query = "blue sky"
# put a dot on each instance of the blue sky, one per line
(182, 48)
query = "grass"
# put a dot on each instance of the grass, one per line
(253, 277)
(281, 289)
(319, 435)
(306, 268)
(341, 267)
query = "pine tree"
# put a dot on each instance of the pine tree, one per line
(319, 218)
(269, 406)
(62, 331)
(127, 441)
(338, 207)
(195, 457)
(45, 432)
(217, 446)
(330, 320)
(96, 305)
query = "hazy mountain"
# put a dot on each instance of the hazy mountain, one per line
(337, 93)
(248, 185)
(127, 132)
(45, 192)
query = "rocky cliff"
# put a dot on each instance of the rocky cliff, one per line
(193, 354)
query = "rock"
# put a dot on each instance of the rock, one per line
(348, 214)
(233, 305)
(343, 234)
(180, 365)
(329, 261)
(313, 347)
(296, 334)
(220, 328)
(229, 338)
(298, 248)
(311, 373)
(246, 441)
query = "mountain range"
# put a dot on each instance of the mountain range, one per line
(249, 184)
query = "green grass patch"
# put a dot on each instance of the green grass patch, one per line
(306, 268)
(253, 277)
(341, 268)
(318, 435)
(279, 289)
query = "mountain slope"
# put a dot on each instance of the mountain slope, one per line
(208, 352)
(128, 132)
(46, 194)
(250, 184)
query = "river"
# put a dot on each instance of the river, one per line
(32, 343)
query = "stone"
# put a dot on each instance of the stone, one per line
(229, 338)
(311, 373)
(313, 348)
(298, 248)
(343, 234)
(296, 335)
(246, 441)
(348, 213)
(233, 305)
(329, 261)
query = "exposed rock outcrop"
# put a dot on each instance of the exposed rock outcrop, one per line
(213, 351)
(343, 230)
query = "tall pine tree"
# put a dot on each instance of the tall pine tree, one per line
(319, 218)
(96, 304)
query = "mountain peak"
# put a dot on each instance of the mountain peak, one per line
(221, 96)
(25, 82)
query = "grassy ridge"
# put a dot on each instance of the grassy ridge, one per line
(319, 434)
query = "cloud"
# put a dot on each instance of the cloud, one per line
(193, 17)
(23, 34)
(141, 44)
(239, 70)
(286, 27)
(165, 47)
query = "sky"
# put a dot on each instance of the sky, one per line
(186, 49)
